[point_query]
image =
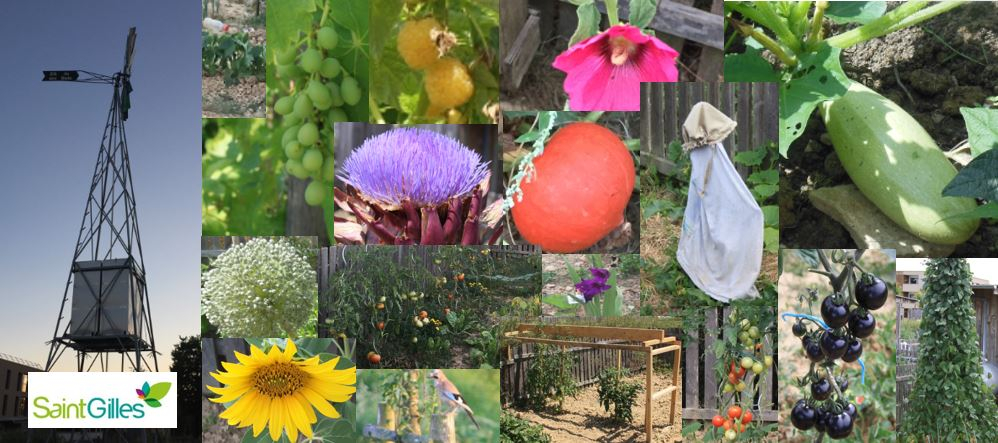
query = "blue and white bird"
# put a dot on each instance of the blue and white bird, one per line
(450, 395)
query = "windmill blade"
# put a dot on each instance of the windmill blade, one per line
(129, 50)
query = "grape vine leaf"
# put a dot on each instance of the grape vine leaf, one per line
(642, 12)
(817, 77)
(352, 17)
(855, 12)
(749, 66)
(589, 18)
(982, 129)
(384, 17)
(978, 179)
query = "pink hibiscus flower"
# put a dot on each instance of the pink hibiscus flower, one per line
(605, 71)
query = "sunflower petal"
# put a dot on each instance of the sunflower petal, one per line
(228, 393)
(306, 406)
(289, 422)
(298, 417)
(319, 403)
(290, 350)
(276, 422)
(261, 416)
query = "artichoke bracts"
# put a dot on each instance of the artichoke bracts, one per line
(414, 186)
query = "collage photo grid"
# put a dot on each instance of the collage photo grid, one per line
(515, 221)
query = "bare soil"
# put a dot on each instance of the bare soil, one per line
(245, 99)
(930, 70)
(553, 265)
(583, 419)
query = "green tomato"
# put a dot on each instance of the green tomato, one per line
(350, 90)
(312, 160)
(753, 332)
(745, 324)
(730, 435)
(747, 362)
(327, 38)
(728, 388)
(311, 60)
(768, 361)
(757, 367)
(308, 134)
(315, 192)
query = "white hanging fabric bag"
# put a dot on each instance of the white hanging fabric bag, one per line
(720, 247)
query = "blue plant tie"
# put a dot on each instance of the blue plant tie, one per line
(862, 373)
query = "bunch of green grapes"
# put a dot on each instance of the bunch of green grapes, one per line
(318, 89)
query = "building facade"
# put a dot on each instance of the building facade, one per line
(14, 387)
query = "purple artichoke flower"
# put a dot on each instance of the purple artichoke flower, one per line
(413, 186)
(421, 166)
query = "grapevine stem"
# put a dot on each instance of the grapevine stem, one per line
(325, 12)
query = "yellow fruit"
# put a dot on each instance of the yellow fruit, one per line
(416, 43)
(455, 117)
(448, 84)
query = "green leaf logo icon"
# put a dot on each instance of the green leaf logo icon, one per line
(153, 394)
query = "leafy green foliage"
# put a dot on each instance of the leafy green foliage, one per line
(616, 392)
(982, 128)
(949, 401)
(242, 190)
(233, 55)
(855, 12)
(377, 299)
(549, 378)
(517, 430)
(764, 181)
(749, 66)
(589, 18)
(817, 77)
(398, 94)
(642, 12)
(978, 179)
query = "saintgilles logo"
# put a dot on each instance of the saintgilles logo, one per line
(102, 400)
(153, 394)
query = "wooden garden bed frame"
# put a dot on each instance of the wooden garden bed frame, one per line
(651, 342)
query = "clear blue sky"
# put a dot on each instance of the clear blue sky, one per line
(50, 134)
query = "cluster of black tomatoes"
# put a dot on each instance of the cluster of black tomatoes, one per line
(848, 323)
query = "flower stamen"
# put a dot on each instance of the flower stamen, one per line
(621, 49)
(279, 379)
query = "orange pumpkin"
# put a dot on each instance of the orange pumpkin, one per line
(579, 191)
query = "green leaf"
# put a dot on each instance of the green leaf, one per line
(763, 192)
(157, 391)
(989, 210)
(771, 238)
(642, 12)
(765, 177)
(982, 128)
(750, 158)
(384, 17)
(749, 66)
(153, 402)
(855, 12)
(264, 437)
(818, 77)
(559, 301)
(979, 179)
(771, 215)
(589, 18)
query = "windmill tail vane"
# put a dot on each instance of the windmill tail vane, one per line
(105, 292)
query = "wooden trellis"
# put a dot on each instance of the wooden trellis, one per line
(651, 342)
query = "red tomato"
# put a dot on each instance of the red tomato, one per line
(734, 411)
(747, 417)
(718, 421)
(727, 424)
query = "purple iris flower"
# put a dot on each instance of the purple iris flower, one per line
(590, 288)
(600, 274)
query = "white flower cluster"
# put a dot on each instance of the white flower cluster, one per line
(261, 288)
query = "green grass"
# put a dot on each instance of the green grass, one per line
(480, 388)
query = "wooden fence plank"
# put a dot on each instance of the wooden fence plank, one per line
(709, 374)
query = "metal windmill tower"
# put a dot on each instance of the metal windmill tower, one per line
(109, 313)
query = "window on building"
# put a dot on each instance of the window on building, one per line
(22, 407)
(24, 383)
(7, 383)
(4, 414)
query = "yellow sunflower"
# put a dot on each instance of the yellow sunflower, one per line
(278, 391)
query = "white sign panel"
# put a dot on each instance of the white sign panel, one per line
(102, 400)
